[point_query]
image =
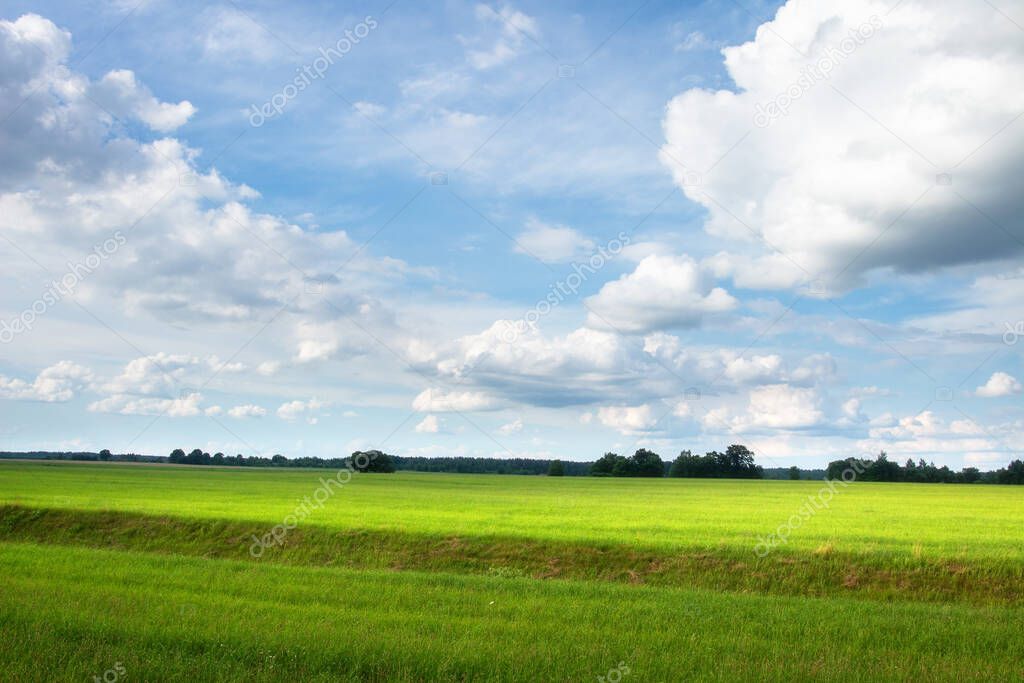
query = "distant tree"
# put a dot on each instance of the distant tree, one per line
(197, 457)
(1013, 474)
(105, 454)
(176, 456)
(739, 462)
(970, 475)
(218, 458)
(372, 461)
(279, 460)
(794, 473)
(556, 469)
(882, 469)
(605, 465)
(645, 463)
(624, 467)
(685, 465)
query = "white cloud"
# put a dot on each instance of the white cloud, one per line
(186, 406)
(268, 368)
(552, 243)
(439, 401)
(519, 362)
(510, 428)
(119, 92)
(247, 410)
(429, 425)
(989, 306)
(772, 407)
(316, 349)
(515, 28)
(929, 434)
(718, 365)
(627, 420)
(55, 384)
(999, 384)
(292, 410)
(167, 373)
(781, 406)
(230, 34)
(861, 149)
(687, 41)
(663, 292)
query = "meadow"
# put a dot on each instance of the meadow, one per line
(446, 577)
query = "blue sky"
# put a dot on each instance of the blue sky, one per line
(513, 229)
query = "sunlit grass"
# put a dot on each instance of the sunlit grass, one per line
(416, 577)
(954, 521)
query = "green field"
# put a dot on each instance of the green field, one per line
(477, 577)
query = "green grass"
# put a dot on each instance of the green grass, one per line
(69, 614)
(949, 521)
(420, 577)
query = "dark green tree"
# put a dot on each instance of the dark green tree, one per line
(372, 461)
(605, 465)
(794, 473)
(556, 469)
(685, 465)
(645, 463)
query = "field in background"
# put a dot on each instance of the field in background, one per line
(479, 577)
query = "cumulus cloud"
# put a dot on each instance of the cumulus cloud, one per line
(772, 407)
(781, 406)
(440, 401)
(728, 367)
(166, 373)
(55, 384)
(927, 433)
(520, 362)
(662, 292)
(186, 406)
(293, 410)
(864, 147)
(627, 420)
(247, 410)
(552, 243)
(119, 92)
(999, 384)
(429, 425)
(194, 251)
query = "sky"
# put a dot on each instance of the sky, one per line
(514, 230)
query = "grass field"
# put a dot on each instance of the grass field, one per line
(457, 578)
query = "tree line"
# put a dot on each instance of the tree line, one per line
(375, 461)
(737, 462)
(883, 469)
